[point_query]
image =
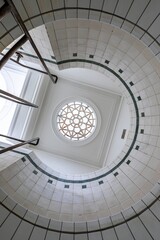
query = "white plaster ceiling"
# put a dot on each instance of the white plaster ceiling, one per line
(141, 19)
(88, 77)
(107, 103)
(85, 38)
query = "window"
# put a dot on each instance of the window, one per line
(15, 118)
(12, 78)
(76, 121)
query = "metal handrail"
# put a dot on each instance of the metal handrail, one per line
(23, 142)
(31, 68)
(4, 10)
(16, 99)
(23, 27)
(12, 50)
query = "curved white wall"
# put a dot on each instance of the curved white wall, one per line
(75, 197)
(134, 180)
(140, 222)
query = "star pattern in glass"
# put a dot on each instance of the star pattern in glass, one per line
(76, 120)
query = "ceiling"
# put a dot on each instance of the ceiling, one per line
(71, 42)
(116, 38)
(106, 105)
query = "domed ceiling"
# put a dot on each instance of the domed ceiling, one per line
(119, 40)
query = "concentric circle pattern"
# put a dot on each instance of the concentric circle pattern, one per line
(76, 121)
(119, 39)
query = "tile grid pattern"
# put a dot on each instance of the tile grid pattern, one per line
(35, 225)
(109, 12)
(73, 201)
(144, 165)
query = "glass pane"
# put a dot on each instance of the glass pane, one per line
(76, 121)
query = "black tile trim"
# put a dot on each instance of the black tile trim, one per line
(127, 13)
(81, 232)
(131, 83)
(128, 162)
(123, 133)
(131, 146)
(120, 70)
(91, 56)
(141, 15)
(144, 225)
(29, 19)
(139, 98)
(100, 182)
(23, 159)
(107, 61)
(50, 181)
(115, 174)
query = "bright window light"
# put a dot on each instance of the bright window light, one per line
(76, 121)
(12, 78)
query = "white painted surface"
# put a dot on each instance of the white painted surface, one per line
(90, 77)
(12, 78)
(117, 142)
(107, 103)
(63, 165)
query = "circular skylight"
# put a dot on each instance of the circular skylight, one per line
(76, 121)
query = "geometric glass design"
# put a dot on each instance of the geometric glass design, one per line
(76, 121)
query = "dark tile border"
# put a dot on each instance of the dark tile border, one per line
(79, 232)
(131, 146)
(64, 8)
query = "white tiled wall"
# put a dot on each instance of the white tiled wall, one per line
(134, 180)
(126, 225)
(75, 203)
(6, 159)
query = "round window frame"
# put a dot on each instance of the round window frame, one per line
(70, 141)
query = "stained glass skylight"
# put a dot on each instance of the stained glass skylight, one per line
(76, 121)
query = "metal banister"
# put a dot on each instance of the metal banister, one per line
(28, 67)
(23, 142)
(11, 51)
(16, 99)
(23, 27)
(4, 10)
